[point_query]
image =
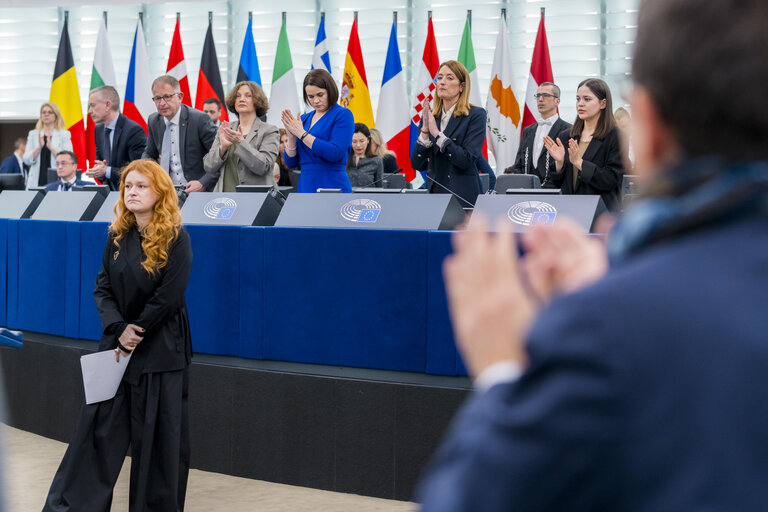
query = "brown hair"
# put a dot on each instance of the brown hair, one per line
(167, 80)
(58, 124)
(164, 226)
(260, 102)
(606, 122)
(724, 46)
(381, 146)
(361, 128)
(462, 105)
(322, 79)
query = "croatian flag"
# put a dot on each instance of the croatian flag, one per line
(425, 87)
(321, 59)
(393, 114)
(138, 103)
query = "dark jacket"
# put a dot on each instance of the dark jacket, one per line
(537, 164)
(454, 168)
(368, 172)
(601, 173)
(54, 185)
(196, 134)
(128, 144)
(11, 166)
(126, 293)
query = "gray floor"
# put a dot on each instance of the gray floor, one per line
(31, 461)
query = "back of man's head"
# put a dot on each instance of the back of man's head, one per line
(18, 143)
(107, 92)
(704, 66)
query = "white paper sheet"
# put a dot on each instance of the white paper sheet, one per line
(102, 375)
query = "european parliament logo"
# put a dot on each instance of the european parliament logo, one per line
(532, 213)
(361, 210)
(221, 208)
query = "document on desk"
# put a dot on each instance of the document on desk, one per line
(102, 375)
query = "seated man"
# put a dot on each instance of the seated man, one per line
(66, 168)
(14, 164)
(642, 387)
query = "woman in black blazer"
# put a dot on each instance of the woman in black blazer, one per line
(592, 162)
(451, 139)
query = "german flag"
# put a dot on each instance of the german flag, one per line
(66, 95)
(209, 79)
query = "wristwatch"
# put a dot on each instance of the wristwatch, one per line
(304, 135)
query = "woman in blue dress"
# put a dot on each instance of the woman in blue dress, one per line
(319, 141)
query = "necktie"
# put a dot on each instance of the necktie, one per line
(107, 146)
(67, 187)
(165, 156)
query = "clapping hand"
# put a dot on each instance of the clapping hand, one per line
(228, 136)
(98, 170)
(556, 151)
(293, 125)
(573, 153)
(429, 120)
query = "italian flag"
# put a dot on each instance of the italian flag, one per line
(467, 57)
(103, 74)
(283, 94)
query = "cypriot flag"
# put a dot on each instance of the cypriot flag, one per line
(503, 133)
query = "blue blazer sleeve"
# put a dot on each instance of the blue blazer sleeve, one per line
(336, 147)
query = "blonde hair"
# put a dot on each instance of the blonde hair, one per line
(381, 146)
(58, 124)
(462, 105)
(164, 226)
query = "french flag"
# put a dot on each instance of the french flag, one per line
(393, 117)
(425, 87)
(138, 103)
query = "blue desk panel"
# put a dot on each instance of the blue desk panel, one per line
(49, 277)
(3, 271)
(251, 344)
(213, 292)
(12, 275)
(346, 297)
(93, 240)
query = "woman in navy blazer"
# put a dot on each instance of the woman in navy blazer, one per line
(320, 139)
(592, 163)
(451, 139)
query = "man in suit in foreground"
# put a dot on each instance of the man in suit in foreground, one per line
(66, 168)
(642, 387)
(118, 140)
(532, 157)
(179, 136)
(14, 164)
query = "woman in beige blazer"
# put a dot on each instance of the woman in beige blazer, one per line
(244, 151)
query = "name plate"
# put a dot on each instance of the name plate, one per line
(230, 209)
(522, 211)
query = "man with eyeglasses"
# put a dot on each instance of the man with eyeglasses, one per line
(179, 137)
(66, 168)
(532, 158)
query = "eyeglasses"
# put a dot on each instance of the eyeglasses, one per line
(166, 98)
(544, 95)
(64, 164)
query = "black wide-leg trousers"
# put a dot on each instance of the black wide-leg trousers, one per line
(152, 419)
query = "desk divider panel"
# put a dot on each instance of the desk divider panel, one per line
(3, 271)
(441, 347)
(252, 272)
(346, 297)
(12, 282)
(213, 292)
(93, 241)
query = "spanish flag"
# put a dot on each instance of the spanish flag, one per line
(66, 95)
(354, 86)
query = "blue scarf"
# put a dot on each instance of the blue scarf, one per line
(692, 195)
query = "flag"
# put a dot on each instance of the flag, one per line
(393, 114)
(177, 66)
(66, 95)
(467, 57)
(209, 79)
(354, 86)
(425, 86)
(138, 104)
(321, 59)
(103, 74)
(541, 71)
(248, 70)
(504, 127)
(283, 94)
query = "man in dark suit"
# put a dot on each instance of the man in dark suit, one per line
(118, 139)
(212, 107)
(179, 137)
(66, 168)
(14, 164)
(532, 157)
(641, 387)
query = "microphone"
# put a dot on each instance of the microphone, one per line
(384, 177)
(454, 194)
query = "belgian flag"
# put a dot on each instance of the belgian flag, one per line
(209, 79)
(66, 95)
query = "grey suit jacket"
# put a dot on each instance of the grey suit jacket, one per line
(196, 134)
(256, 156)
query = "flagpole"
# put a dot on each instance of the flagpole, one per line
(355, 16)
(504, 13)
(469, 18)
(141, 19)
(284, 16)
(394, 18)
(250, 16)
(210, 17)
(104, 13)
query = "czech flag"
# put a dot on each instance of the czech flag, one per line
(66, 95)
(138, 104)
(354, 86)
(209, 79)
(393, 117)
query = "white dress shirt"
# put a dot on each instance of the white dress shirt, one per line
(174, 157)
(542, 130)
